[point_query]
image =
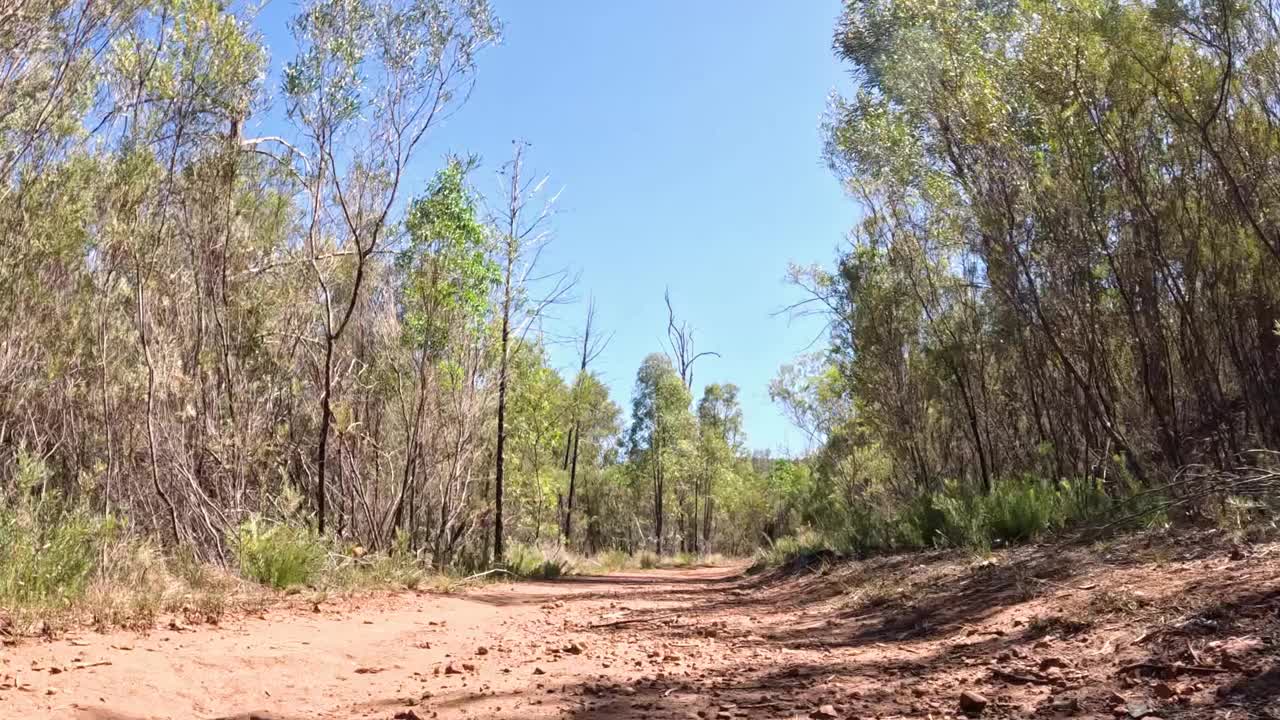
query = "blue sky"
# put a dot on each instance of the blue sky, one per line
(685, 139)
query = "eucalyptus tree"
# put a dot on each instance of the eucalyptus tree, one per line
(370, 79)
(720, 441)
(661, 433)
(1061, 269)
(595, 431)
(587, 400)
(448, 276)
(538, 407)
(523, 233)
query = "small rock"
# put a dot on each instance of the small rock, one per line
(971, 703)
(482, 650)
(1053, 662)
(1065, 705)
(1164, 691)
(539, 671)
(824, 712)
(1137, 710)
(1237, 646)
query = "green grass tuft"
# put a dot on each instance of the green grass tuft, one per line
(279, 555)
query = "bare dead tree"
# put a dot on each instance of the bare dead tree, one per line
(591, 348)
(524, 237)
(680, 335)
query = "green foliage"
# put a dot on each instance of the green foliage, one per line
(1018, 510)
(1035, 195)
(449, 272)
(532, 562)
(802, 548)
(278, 554)
(49, 546)
(611, 560)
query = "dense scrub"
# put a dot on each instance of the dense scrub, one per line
(1066, 267)
(246, 338)
(241, 340)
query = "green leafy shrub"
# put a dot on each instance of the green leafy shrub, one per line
(528, 561)
(964, 522)
(1017, 510)
(802, 549)
(49, 546)
(926, 522)
(276, 554)
(611, 560)
(1083, 500)
(1021, 510)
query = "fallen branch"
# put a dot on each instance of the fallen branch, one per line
(629, 621)
(1064, 586)
(1173, 669)
(1023, 679)
(477, 576)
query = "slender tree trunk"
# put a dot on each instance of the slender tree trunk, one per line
(573, 482)
(326, 415)
(107, 420)
(498, 549)
(151, 403)
(657, 485)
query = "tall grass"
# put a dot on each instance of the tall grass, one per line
(1017, 510)
(534, 562)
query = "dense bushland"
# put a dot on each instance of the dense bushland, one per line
(251, 342)
(248, 338)
(1065, 269)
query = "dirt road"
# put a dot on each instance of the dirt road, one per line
(525, 650)
(1185, 632)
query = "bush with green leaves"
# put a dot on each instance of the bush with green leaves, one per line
(49, 545)
(278, 554)
(1016, 510)
(611, 560)
(529, 561)
(802, 547)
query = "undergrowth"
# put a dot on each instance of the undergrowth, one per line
(1015, 511)
(278, 554)
(538, 563)
(49, 546)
